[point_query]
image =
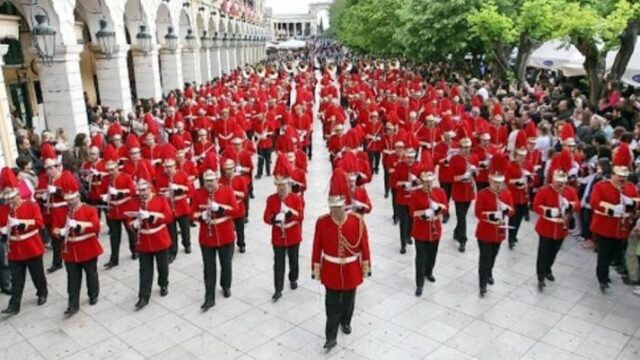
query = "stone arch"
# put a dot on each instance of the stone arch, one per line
(201, 25)
(135, 15)
(184, 24)
(60, 14)
(92, 11)
(163, 22)
(212, 26)
(223, 29)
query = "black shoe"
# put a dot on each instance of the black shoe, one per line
(386, 195)
(258, 177)
(171, 259)
(461, 247)
(110, 265)
(226, 293)
(192, 224)
(11, 310)
(445, 219)
(490, 280)
(53, 269)
(242, 249)
(5, 291)
(483, 292)
(541, 285)
(208, 304)
(71, 311)
(141, 303)
(409, 241)
(346, 329)
(164, 290)
(41, 300)
(395, 220)
(431, 278)
(550, 277)
(134, 256)
(604, 287)
(93, 300)
(187, 249)
(330, 344)
(625, 280)
(419, 291)
(251, 196)
(511, 245)
(276, 296)
(403, 250)
(294, 285)
(245, 220)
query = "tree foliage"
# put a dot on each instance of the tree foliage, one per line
(369, 25)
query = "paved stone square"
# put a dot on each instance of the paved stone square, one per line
(571, 320)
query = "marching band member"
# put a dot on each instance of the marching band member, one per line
(494, 206)
(426, 206)
(234, 179)
(93, 170)
(284, 212)
(443, 152)
(463, 190)
(214, 206)
(81, 247)
(117, 189)
(264, 130)
(614, 203)
(518, 175)
(21, 222)
(149, 218)
(340, 258)
(405, 180)
(554, 204)
(358, 199)
(174, 185)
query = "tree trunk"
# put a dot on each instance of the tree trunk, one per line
(525, 48)
(627, 45)
(594, 65)
(476, 63)
(501, 60)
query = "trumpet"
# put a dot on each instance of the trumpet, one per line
(379, 64)
(289, 67)
(331, 68)
(366, 65)
(347, 65)
(247, 71)
(394, 64)
(303, 66)
(261, 71)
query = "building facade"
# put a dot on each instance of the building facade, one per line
(300, 26)
(110, 52)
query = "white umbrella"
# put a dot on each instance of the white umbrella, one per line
(631, 75)
(557, 55)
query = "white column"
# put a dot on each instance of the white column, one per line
(224, 56)
(62, 92)
(191, 65)
(146, 69)
(206, 69)
(240, 52)
(231, 51)
(8, 150)
(215, 57)
(113, 79)
(171, 70)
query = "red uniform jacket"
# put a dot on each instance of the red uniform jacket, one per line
(548, 198)
(341, 252)
(219, 231)
(443, 159)
(54, 208)
(83, 245)
(604, 223)
(488, 228)
(94, 172)
(182, 192)
(154, 234)
(430, 229)
(359, 193)
(24, 243)
(121, 202)
(240, 190)
(293, 223)
(404, 173)
(518, 183)
(463, 191)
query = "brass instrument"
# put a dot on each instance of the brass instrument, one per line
(366, 65)
(331, 68)
(289, 67)
(172, 199)
(303, 66)
(247, 71)
(49, 196)
(347, 65)
(564, 210)
(68, 230)
(209, 211)
(379, 64)
(394, 64)
(261, 71)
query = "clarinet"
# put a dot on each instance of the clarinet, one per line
(171, 195)
(66, 235)
(210, 211)
(282, 228)
(143, 206)
(48, 205)
(10, 231)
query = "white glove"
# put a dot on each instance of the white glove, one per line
(627, 200)
(205, 215)
(526, 173)
(357, 204)
(434, 206)
(280, 217)
(554, 212)
(284, 208)
(466, 176)
(573, 171)
(62, 231)
(13, 222)
(427, 145)
(472, 168)
(503, 206)
(618, 209)
(52, 189)
(145, 214)
(4, 230)
(113, 191)
(238, 169)
(72, 223)
(135, 224)
(429, 213)
(174, 187)
(215, 206)
(94, 171)
(407, 186)
(105, 197)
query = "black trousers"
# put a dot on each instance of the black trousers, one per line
(374, 160)
(209, 260)
(514, 222)
(406, 222)
(185, 232)
(426, 252)
(5, 270)
(585, 218)
(481, 185)
(239, 225)
(547, 250)
(279, 254)
(56, 245)
(394, 204)
(339, 305)
(74, 280)
(608, 250)
(446, 186)
(115, 234)
(386, 182)
(264, 162)
(146, 271)
(18, 275)
(488, 253)
(460, 232)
